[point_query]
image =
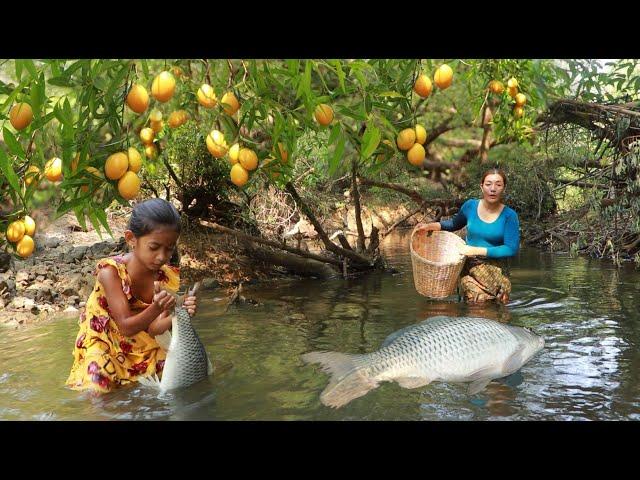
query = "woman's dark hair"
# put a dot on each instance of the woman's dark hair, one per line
(495, 171)
(151, 214)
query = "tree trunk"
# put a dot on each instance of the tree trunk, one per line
(302, 266)
(356, 201)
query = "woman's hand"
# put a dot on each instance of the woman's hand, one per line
(163, 299)
(469, 251)
(190, 304)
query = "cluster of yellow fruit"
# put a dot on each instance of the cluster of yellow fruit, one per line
(497, 87)
(412, 140)
(123, 167)
(207, 98)
(243, 160)
(162, 89)
(442, 78)
(21, 233)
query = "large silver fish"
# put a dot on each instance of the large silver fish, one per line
(187, 361)
(449, 349)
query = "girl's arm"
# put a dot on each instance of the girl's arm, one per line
(161, 324)
(129, 324)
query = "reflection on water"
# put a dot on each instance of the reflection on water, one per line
(586, 310)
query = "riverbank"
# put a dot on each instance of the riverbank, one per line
(57, 279)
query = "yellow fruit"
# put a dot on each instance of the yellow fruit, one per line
(25, 246)
(147, 135)
(29, 225)
(129, 186)
(496, 86)
(423, 86)
(163, 86)
(512, 91)
(216, 144)
(520, 100)
(32, 174)
(15, 231)
(155, 115)
(157, 126)
(518, 112)
(53, 169)
(230, 103)
(421, 134)
(233, 153)
(178, 118)
(116, 165)
(406, 139)
(138, 98)
(284, 155)
(239, 176)
(443, 76)
(206, 96)
(135, 160)
(151, 151)
(248, 159)
(416, 155)
(512, 83)
(323, 114)
(21, 115)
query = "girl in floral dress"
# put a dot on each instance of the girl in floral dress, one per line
(130, 304)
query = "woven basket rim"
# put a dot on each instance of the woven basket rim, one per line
(417, 256)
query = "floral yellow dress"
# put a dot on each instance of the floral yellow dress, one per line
(104, 358)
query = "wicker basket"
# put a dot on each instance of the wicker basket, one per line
(436, 262)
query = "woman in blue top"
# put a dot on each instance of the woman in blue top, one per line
(493, 234)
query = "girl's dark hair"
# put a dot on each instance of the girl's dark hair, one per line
(151, 214)
(495, 171)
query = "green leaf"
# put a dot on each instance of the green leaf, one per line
(14, 145)
(391, 93)
(7, 170)
(31, 68)
(334, 161)
(370, 141)
(102, 217)
(19, 68)
(75, 204)
(334, 134)
(80, 216)
(340, 73)
(95, 222)
(145, 67)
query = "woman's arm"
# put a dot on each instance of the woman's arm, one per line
(129, 324)
(511, 239)
(457, 222)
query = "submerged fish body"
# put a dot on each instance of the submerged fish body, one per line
(448, 349)
(187, 361)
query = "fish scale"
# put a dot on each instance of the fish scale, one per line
(456, 349)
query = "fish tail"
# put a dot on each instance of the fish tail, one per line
(348, 381)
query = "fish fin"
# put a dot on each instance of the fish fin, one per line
(209, 366)
(347, 383)
(150, 381)
(514, 362)
(164, 339)
(482, 373)
(413, 382)
(478, 385)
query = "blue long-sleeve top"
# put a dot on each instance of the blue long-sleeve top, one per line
(500, 237)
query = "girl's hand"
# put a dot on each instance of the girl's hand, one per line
(163, 299)
(190, 304)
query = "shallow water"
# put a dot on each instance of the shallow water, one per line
(587, 311)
